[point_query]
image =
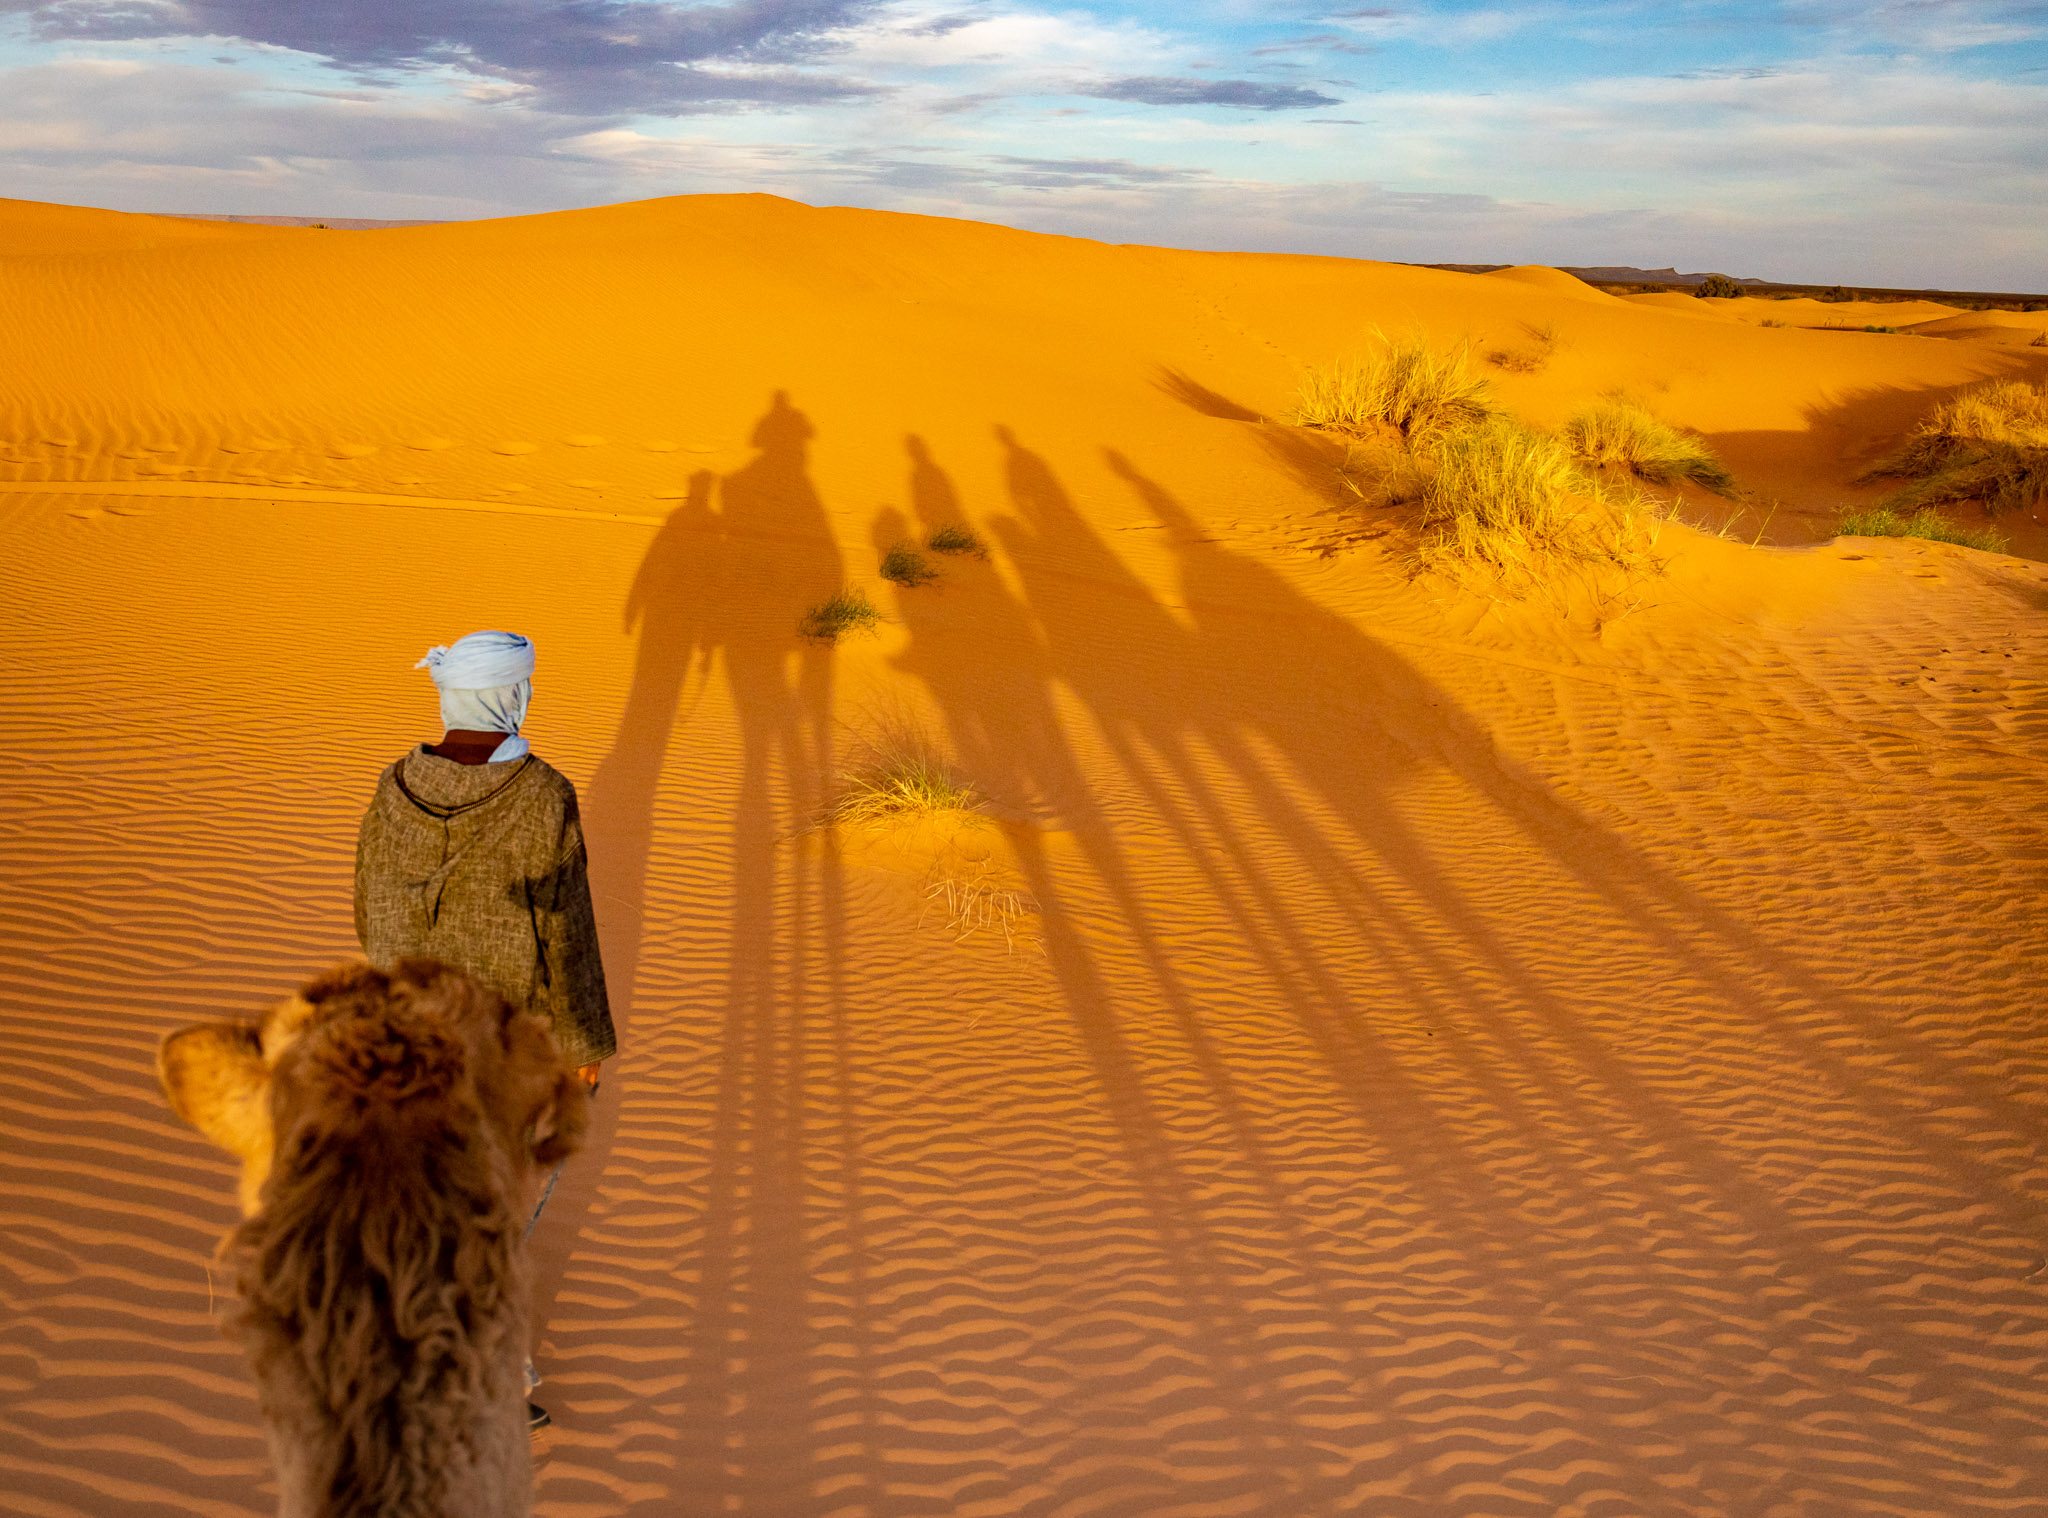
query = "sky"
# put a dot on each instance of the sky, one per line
(1901, 143)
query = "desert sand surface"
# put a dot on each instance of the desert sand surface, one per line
(1454, 1057)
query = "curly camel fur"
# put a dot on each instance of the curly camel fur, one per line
(392, 1128)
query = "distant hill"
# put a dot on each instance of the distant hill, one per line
(1624, 274)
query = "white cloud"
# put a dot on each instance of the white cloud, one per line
(1865, 169)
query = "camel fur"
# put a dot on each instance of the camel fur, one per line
(392, 1128)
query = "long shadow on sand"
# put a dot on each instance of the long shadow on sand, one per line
(1554, 1267)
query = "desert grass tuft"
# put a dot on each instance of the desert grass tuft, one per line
(1502, 499)
(841, 614)
(1988, 445)
(1883, 521)
(1424, 393)
(1627, 436)
(904, 565)
(956, 537)
(2040, 340)
(903, 780)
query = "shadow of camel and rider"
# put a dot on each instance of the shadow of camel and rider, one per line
(1239, 757)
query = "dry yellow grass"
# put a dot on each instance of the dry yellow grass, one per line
(1988, 445)
(1509, 503)
(902, 788)
(981, 903)
(1624, 435)
(1424, 393)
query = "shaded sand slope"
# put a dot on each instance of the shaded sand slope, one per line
(1459, 1064)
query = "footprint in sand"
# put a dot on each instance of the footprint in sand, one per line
(168, 469)
(589, 484)
(60, 442)
(660, 445)
(585, 440)
(670, 495)
(408, 479)
(254, 445)
(514, 449)
(700, 447)
(432, 444)
(351, 450)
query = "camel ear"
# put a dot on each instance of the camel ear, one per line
(217, 1081)
(558, 1129)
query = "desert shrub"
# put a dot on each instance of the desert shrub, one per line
(1772, 321)
(1717, 287)
(1503, 498)
(903, 779)
(1423, 392)
(956, 537)
(2040, 340)
(2035, 305)
(844, 612)
(1989, 444)
(1883, 521)
(1835, 295)
(1626, 436)
(904, 565)
(1892, 330)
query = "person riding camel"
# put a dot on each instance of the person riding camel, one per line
(472, 853)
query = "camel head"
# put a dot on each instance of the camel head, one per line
(362, 1048)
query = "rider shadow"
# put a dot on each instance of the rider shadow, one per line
(716, 605)
(1323, 800)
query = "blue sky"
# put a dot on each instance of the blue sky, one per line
(1900, 143)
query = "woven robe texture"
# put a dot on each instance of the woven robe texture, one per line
(482, 867)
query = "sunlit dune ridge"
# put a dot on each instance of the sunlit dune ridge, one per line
(1443, 1055)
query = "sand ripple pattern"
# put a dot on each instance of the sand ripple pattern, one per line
(1474, 1093)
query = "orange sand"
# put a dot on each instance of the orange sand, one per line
(1463, 1061)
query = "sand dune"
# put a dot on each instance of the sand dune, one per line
(1461, 1061)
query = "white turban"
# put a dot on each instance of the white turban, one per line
(485, 681)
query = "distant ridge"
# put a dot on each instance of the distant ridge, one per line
(1624, 274)
(332, 223)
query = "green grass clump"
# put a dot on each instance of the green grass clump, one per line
(1883, 521)
(1988, 445)
(904, 565)
(1625, 435)
(844, 612)
(904, 782)
(956, 537)
(1422, 392)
